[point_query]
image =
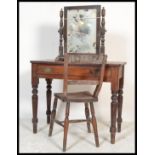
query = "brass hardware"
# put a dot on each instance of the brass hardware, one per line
(48, 70)
(94, 72)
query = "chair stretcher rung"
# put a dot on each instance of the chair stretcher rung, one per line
(59, 123)
(78, 120)
(72, 121)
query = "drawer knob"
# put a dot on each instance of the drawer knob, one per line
(48, 70)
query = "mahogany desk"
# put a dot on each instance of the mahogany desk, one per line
(114, 73)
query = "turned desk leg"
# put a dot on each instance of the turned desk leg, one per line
(34, 107)
(120, 102)
(35, 82)
(113, 116)
(48, 97)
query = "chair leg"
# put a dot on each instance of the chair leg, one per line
(94, 123)
(87, 117)
(53, 116)
(66, 124)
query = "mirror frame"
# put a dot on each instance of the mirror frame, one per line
(98, 28)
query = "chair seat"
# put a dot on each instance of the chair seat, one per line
(84, 96)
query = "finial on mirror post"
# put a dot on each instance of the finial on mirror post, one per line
(103, 31)
(60, 35)
(61, 13)
(103, 12)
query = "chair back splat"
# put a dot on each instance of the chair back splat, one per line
(96, 63)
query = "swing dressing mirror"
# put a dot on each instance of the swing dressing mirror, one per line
(82, 29)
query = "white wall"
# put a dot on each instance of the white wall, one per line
(39, 39)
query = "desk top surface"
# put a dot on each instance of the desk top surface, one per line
(56, 62)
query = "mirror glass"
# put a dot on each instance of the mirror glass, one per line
(81, 30)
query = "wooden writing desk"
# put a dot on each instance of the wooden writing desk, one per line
(114, 73)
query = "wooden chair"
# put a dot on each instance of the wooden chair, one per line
(86, 97)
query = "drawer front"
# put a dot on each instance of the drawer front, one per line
(47, 69)
(75, 72)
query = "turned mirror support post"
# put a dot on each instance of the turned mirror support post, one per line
(60, 37)
(103, 31)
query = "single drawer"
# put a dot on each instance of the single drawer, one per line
(73, 71)
(47, 69)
